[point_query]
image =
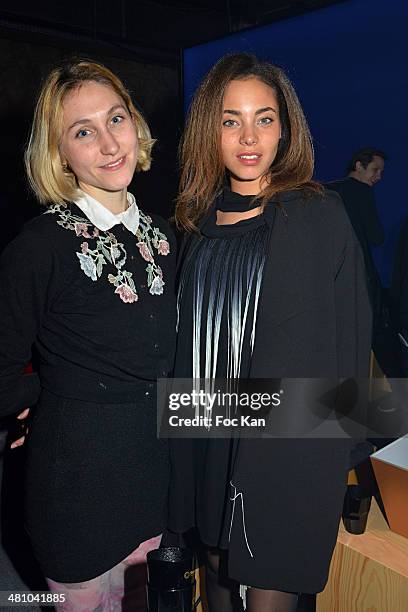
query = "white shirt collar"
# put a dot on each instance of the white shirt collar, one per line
(103, 218)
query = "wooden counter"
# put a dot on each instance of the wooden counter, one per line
(368, 572)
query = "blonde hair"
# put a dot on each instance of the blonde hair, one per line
(51, 181)
(203, 172)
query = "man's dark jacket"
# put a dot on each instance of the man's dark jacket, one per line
(359, 202)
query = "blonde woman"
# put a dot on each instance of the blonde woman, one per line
(88, 287)
(271, 286)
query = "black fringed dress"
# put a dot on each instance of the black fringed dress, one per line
(308, 317)
(218, 298)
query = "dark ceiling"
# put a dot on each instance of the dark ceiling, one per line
(154, 29)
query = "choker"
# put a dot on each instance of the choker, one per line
(229, 201)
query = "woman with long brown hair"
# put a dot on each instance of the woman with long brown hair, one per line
(271, 286)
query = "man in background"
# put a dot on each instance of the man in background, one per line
(356, 190)
(363, 172)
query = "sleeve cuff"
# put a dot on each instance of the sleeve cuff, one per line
(24, 394)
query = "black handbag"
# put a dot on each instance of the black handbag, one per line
(171, 580)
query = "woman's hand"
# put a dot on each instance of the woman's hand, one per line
(22, 417)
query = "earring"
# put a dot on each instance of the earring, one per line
(65, 168)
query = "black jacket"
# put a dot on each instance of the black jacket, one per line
(314, 316)
(361, 208)
(314, 320)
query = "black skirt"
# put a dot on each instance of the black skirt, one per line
(97, 479)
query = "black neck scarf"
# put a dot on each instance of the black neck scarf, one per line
(229, 201)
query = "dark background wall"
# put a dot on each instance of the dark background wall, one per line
(349, 65)
(154, 88)
(141, 40)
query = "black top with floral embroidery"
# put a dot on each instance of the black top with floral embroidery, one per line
(98, 307)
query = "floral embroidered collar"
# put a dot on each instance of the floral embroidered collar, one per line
(105, 248)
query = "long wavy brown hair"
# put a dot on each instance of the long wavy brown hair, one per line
(203, 173)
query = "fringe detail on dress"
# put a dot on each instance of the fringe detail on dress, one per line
(232, 270)
(243, 593)
(234, 498)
